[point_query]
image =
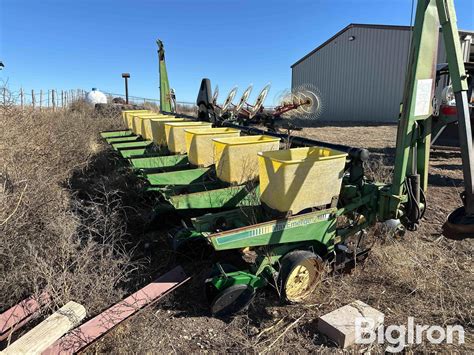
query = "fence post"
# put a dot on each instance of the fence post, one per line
(52, 99)
(62, 98)
(33, 98)
(21, 98)
(48, 98)
(41, 98)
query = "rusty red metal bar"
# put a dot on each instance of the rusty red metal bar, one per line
(17, 316)
(93, 329)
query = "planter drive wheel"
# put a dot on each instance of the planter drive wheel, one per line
(300, 274)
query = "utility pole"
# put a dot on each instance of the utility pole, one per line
(126, 76)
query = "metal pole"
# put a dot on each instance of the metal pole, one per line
(41, 98)
(467, 153)
(33, 98)
(126, 76)
(21, 98)
(126, 91)
(48, 98)
(458, 75)
(53, 102)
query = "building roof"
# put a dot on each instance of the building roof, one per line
(362, 25)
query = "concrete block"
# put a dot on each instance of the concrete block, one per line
(340, 324)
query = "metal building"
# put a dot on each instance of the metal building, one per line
(360, 71)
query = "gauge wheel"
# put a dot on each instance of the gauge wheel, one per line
(232, 300)
(300, 274)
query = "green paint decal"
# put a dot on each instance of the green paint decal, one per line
(324, 219)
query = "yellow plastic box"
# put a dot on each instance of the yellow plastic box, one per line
(146, 125)
(300, 178)
(157, 129)
(236, 158)
(139, 119)
(199, 143)
(131, 115)
(125, 112)
(175, 134)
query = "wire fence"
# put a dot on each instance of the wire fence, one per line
(41, 99)
(183, 107)
(56, 99)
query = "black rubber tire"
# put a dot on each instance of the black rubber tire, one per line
(232, 300)
(289, 263)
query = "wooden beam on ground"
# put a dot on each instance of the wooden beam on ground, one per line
(48, 331)
(93, 329)
(17, 316)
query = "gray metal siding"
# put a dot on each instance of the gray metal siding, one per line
(360, 80)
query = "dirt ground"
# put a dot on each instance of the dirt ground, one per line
(422, 275)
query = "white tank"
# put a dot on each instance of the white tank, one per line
(95, 96)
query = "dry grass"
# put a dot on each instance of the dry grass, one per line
(50, 240)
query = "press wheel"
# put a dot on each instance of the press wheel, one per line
(300, 274)
(211, 291)
(232, 300)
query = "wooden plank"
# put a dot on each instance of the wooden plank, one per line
(93, 329)
(17, 316)
(48, 331)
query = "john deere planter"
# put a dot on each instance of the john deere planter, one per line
(292, 212)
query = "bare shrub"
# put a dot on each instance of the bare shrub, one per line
(377, 169)
(49, 240)
(186, 109)
(152, 106)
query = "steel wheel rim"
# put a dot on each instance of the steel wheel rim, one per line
(302, 280)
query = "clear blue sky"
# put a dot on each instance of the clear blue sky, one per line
(48, 44)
